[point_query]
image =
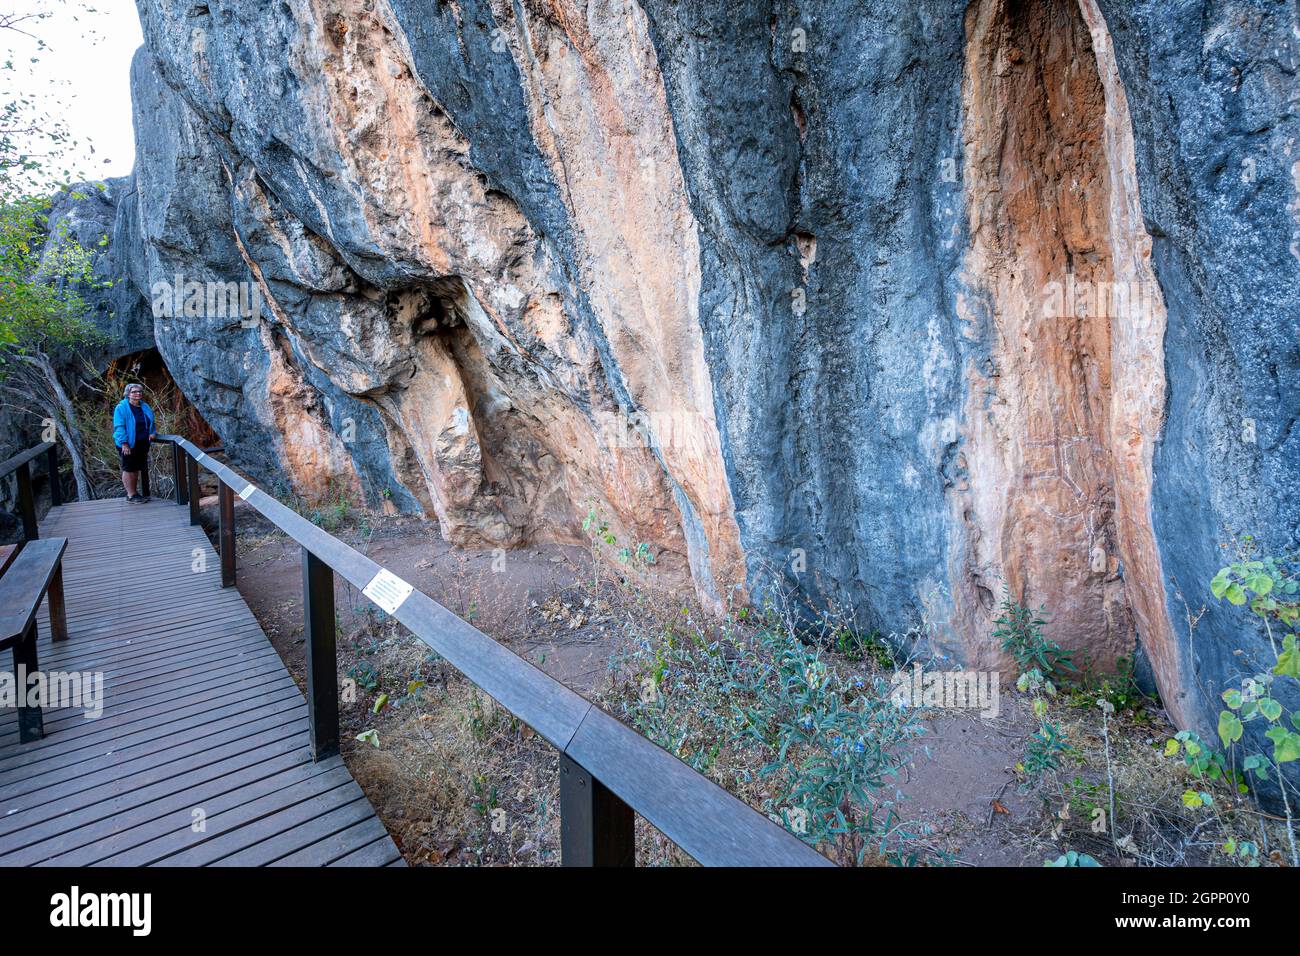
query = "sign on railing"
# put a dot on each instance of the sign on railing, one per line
(608, 772)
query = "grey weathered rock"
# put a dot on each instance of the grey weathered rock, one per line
(812, 243)
(89, 214)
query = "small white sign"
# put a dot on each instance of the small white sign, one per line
(387, 590)
(248, 491)
(200, 457)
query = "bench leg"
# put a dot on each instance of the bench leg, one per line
(30, 724)
(58, 616)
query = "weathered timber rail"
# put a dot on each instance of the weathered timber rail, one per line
(608, 772)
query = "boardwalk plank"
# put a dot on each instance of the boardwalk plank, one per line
(325, 852)
(236, 826)
(351, 808)
(379, 853)
(103, 829)
(199, 712)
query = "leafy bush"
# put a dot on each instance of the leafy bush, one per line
(857, 647)
(1020, 632)
(1045, 749)
(825, 744)
(1269, 586)
(1072, 858)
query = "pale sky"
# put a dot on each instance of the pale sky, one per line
(83, 75)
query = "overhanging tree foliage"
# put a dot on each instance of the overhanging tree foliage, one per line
(43, 323)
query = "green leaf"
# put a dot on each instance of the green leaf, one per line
(1235, 595)
(1288, 662)
(1270, 708)
(1219, 584)
(369, 737)
(380, 703)
(1232, 698)
(1257, 764)
(1229, 728)
(1171, 747)
(1192, 799)
(1286, 745)
(1261, 584)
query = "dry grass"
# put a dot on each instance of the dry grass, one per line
(1122, 765)
(458, 781)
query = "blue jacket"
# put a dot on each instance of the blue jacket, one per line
(124, 423)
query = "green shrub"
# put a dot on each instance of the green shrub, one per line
(824, 745)
(1020, 632)
(1045, 749)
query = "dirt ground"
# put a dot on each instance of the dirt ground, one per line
(962, 790)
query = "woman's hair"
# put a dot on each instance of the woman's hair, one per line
(126, 392)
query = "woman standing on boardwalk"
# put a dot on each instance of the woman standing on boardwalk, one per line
(133, 426)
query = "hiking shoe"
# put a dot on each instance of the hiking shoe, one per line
(135, 499)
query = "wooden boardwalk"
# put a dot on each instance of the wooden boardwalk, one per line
(200, 756)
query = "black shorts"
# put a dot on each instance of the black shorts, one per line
(137, 459)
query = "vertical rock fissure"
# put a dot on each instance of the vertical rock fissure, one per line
(1061, 421)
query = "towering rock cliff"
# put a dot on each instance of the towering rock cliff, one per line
(900, 302)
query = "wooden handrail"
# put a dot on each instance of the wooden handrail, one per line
(608, 770)
(21, 466)
(24, 457)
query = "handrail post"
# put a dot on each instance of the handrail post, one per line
(322, 665)
(596, 827)
(192, 469)
(52, 465)
(178, 474)
(27, 502)
(226, 501)
(31, 722)
(144, 476)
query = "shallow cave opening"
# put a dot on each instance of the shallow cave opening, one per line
(94, 395)
(174, 414)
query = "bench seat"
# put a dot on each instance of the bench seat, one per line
(35, 574)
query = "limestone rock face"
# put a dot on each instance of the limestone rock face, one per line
(89, 215)
(901, 303)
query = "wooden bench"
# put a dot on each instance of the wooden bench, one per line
(37, 572)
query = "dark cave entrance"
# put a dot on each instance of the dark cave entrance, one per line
(93, 399)
(173, 412)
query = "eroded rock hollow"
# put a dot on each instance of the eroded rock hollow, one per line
(898, 303)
